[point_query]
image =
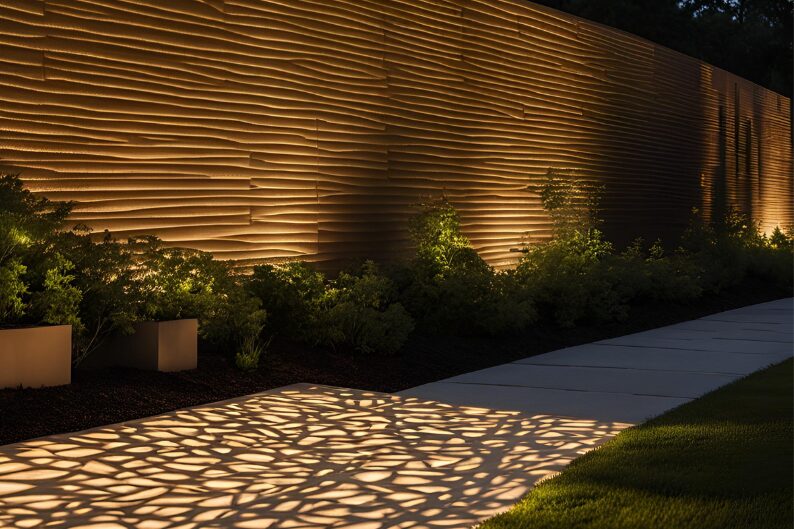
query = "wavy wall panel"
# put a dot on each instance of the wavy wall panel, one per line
(264, 129)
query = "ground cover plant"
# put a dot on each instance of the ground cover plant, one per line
(722, 461)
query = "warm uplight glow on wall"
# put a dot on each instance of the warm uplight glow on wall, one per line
(260, 129)
(306, 457)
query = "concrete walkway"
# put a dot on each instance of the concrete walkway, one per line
(634, 377)
(311, 457)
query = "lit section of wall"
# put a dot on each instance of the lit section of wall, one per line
(264, 130)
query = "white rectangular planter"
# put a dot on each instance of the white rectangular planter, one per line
(155, 346)
(33, 357)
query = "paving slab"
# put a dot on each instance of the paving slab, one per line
(301, 457)
(606, 380)
(634, 377)
(657, 359)
(721, 345)
(618, 407)
(701, 329)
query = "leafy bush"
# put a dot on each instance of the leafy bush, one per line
(569, 280)
(176, 283)
(735, 248)
(359, 311)
(12, 290)
(639, 275)
(104, 286)
(435, 232)
(356, 310)
(106, 278)
(36, 285)
(449, 288)
(469, 298)
(235, 317)
(59, 302)
(291, 294)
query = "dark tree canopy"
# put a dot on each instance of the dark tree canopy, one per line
(751, 38)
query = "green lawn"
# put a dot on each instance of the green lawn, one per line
(722, 461)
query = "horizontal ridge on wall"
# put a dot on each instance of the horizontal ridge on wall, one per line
(263, 130)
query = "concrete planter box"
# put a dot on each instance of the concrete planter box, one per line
(154, 346)
(33, 357)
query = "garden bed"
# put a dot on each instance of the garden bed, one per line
(114, 395)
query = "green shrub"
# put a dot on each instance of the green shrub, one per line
(291, 294)
(733, 249)
(12, 290)
(177, 283)
(36, 281)
(639, 275)
(59, 301)
(234, 317)
(359, 311)
(568, 279)
(25, 217)
(439, 243)
(356, 311)
(106, 277)
(448, 287)
(174, 283)
(469, 298)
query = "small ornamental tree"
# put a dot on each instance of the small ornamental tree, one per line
(436, 234)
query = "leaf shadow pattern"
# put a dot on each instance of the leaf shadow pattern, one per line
(303, 457)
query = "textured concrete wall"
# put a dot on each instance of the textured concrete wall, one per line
(263, 129)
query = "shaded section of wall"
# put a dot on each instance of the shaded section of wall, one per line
(264, 130)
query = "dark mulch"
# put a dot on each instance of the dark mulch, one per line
(114, 395)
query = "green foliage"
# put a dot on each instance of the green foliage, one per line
(106, 277)
(449, 288)
(435, 232)
(359, 311)
(651, 275)
(103, 286)
(291, 295)
(59, 302)
(780, 240)
(249, 353)
(569, 280)
(235, 316)
(470, 298)
(25, 217)
(35, 283)
(12, 290)
(734, 249)
(356, 311)
(175, 283)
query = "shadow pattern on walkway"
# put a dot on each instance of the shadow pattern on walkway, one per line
(299, 457)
